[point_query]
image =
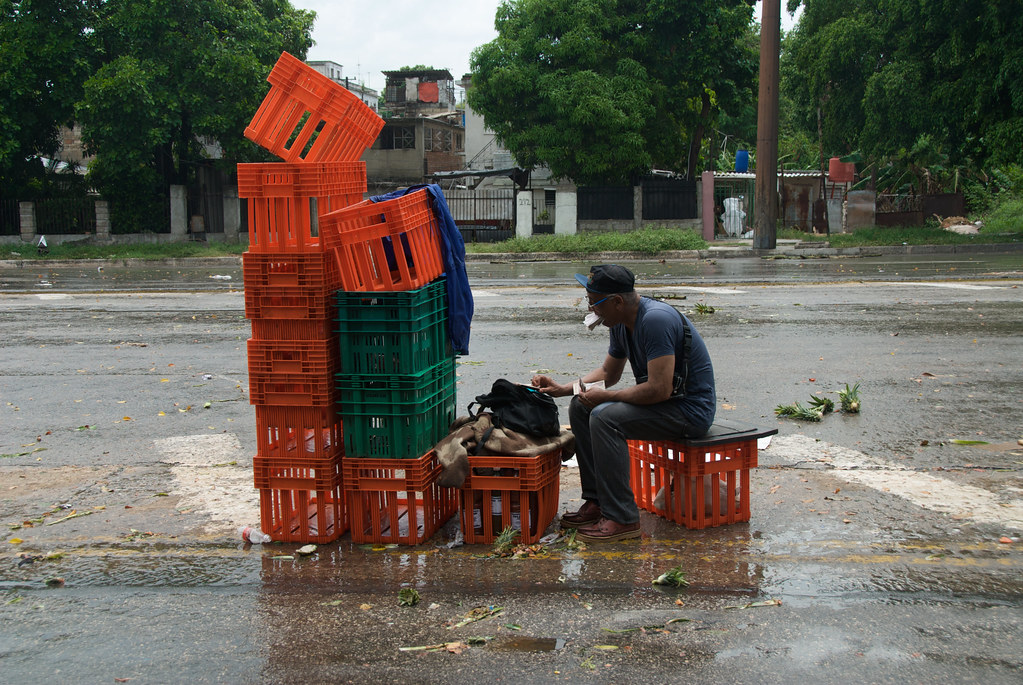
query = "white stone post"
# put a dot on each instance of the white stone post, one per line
(565, 213)
(179, 213)
(28, 221)
(102, 221)
(524, 214)
(232, 215)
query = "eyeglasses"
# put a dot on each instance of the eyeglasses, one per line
(591, 305)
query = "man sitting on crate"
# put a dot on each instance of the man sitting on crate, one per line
(673, 397)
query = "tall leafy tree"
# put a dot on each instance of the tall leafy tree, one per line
(43, 62)
(173, 76)
(600, 91)
(891, 76)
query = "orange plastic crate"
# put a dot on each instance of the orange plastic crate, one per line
(396, 502)
(288, 473)
(303, 515)
(311, 270)
(309, 117)
(293, 329)
(269, 358)
(691, 478)
(299, 434)
(296, 303)
(385, 246)
(320, 179)
(293, 372)
(289, 224)
(517, 492)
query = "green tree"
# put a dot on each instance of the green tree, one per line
(43, 63)
(891, 76)
(173, 79)
(600, 91)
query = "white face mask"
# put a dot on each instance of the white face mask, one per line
(593, 320)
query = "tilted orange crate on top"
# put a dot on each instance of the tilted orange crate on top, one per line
(385, 246)
(309, 117)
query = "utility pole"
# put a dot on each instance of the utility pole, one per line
(766, 191)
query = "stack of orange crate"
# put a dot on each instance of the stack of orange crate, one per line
(397, 383)
(320, 130)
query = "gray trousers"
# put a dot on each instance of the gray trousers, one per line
(602, 452)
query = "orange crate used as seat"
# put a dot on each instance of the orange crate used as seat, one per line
(290, 224)
(299, 434)
(303, 515)
(319, 179)
(389, 245)
(517, 492)
(308, 117)
(697, 482)
(396, 502)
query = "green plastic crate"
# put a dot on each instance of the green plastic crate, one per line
(408, 346)
(396, 416)
(390, 307)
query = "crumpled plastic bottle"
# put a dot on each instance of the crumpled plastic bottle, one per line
(254, 535)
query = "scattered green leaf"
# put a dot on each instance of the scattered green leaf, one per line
(675, 577)
(408, 597)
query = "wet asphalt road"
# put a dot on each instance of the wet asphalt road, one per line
(873, 553)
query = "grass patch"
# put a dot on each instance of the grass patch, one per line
(645, 241)
(127, 251)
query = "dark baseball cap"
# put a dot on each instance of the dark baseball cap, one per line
(608, 279)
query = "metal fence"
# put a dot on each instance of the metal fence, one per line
(483, 216)
(10, 217)
(66, 215)
(669, 199)
(596, 203)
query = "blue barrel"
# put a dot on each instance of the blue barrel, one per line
(742, 161)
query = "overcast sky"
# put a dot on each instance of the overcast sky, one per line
(368, 38)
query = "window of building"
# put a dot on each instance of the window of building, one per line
(438, 140)
(398, 138)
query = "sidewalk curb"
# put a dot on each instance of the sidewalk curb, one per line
(794, 250)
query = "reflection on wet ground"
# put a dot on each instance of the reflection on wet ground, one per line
(96, 276)
(727, 565)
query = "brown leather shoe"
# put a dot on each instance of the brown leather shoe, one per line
(588, 513)
(606, 530)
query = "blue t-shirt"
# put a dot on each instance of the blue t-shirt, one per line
(659, 332)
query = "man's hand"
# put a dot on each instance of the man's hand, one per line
(547, 385)
(591, 397)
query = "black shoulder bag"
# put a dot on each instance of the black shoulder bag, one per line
(519, 408)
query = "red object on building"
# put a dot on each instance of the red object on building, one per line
(429, 92)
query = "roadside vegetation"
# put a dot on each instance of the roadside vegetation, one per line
(136, 251)
(645, 241)
(1001, 223)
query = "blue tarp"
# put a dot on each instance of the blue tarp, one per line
(460, 304)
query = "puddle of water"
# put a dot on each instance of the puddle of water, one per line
(532, 644)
